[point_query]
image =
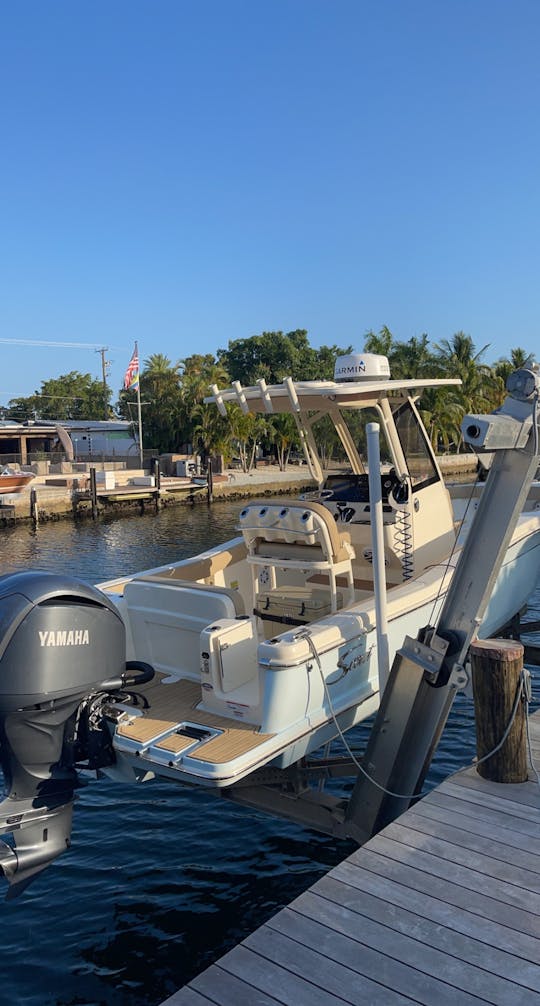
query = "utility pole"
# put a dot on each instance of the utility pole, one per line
(105, 365)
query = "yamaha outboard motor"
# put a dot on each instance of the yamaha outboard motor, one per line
(62, 660)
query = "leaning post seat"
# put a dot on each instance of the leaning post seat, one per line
(296, 535)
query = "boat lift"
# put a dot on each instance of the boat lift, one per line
(428, 671)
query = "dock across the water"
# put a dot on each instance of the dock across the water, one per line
(441, 907)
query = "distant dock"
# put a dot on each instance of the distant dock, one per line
(441, 907)
(68, 496)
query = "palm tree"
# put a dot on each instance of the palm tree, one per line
(458, 357)
(284, 434)
(210, 430)
(441, 412)
(381, 342)
(412, 359)
(160, 387)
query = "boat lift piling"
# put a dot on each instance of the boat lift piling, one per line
(428, 671)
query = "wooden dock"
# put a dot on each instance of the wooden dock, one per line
(443, 906)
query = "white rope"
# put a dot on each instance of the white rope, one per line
(305, 634)
(521, 691)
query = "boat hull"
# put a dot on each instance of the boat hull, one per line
(304, 680)
(14, 483)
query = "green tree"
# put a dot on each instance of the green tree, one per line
(284, 433)
(210, 431)
(242, 431)
(458, 357)
(441, 411)
(202, 424)
(412, 359)
(70, 396)
(381, 343)
(506, 365)
(161, 404)
(275, 355)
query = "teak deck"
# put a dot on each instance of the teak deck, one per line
(443, 906)
(174, 703)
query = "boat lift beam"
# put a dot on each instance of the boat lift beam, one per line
(428, 671)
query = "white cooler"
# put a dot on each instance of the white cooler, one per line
(285, 606)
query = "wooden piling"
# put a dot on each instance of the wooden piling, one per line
(496, 673)
(34, 512)
(93, 492)
(157, 482)
(210, 478)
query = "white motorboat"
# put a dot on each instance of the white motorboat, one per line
(245, 659)
(267, 646)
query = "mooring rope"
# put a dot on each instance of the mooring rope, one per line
(522, 691)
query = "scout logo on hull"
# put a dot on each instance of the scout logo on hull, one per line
(64, 637)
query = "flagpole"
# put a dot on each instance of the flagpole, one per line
(139, 412)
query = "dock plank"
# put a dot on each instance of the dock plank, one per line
(227, 990)
(472, 943)
(521, 797)
(436, 909)
(516, 814)
(400, 869)
(290, 988)
(525, 829)
(394, 960)
(466, 859)
(335, 966)
(472, 828)
(190, 998)
(443, 906)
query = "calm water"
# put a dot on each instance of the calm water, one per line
(159, 882)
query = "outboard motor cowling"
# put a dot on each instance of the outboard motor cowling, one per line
(62, 647)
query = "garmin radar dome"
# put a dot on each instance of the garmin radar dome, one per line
(361, 367)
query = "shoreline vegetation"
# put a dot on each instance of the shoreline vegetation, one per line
(176, 417)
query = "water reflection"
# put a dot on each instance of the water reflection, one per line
(112, 546)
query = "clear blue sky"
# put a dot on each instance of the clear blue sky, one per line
(187, 172)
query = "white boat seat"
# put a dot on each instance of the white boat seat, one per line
(233, 595)
(167, 616)
(296, 535)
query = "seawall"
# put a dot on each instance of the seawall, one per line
(63, 497)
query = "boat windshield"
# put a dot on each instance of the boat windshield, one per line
(415, 447)
(332, 452)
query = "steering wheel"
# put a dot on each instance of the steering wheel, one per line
(318, 494)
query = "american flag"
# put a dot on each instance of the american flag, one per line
(131, 377)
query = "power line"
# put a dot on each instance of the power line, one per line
(51, 345)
